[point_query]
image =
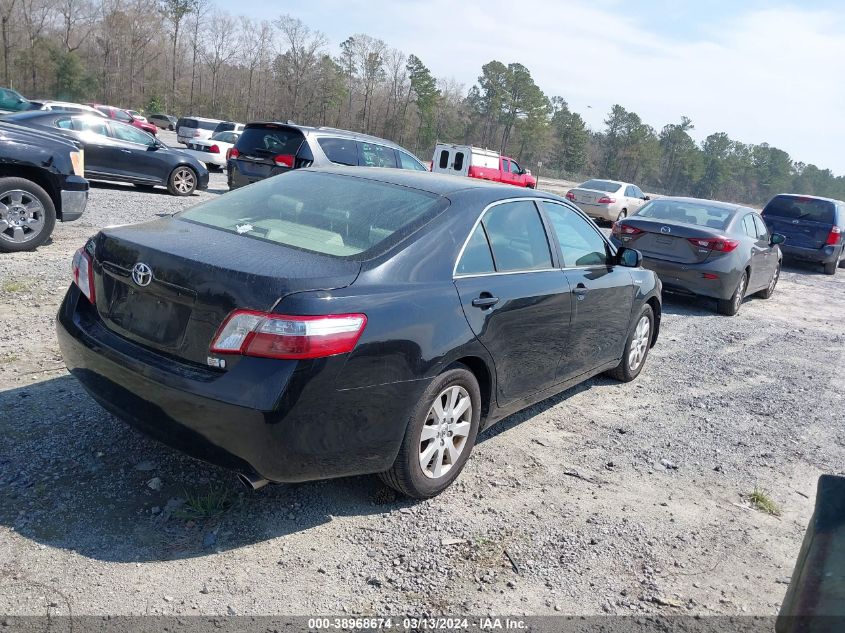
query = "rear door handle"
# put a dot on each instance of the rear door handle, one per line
(126, 151)
(485, 301)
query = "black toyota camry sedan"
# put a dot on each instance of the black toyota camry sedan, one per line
(337, 322)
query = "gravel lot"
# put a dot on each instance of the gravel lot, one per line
(609, 498)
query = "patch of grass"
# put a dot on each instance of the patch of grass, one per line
(763, 502)
(9, 358)
(15, 286)
(216, 501)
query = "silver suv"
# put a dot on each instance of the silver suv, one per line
(267, 149)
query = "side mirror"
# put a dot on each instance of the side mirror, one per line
(527, 172)
(646, 198)
(777, 238)
(629, 257)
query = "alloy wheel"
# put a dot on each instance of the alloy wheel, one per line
(184, 180)
(444, 434)
(639, 343)
(21, 216)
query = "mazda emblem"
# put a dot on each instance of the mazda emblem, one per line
(142, 274)
(665, 229)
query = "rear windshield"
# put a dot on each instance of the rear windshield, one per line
(801, 208)
(601, 185)
(270, 141)
(337, 215)
(224, 127)
(687, 212)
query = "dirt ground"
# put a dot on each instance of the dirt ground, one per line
(609, 498)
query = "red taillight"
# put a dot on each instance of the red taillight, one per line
(570, 196)
(268, 335)
(83, 273)
(834, 236)
(214, 149)
(623, 229)
(605, 200)
(232, 153)
(284, 160)
(721, 244)
(709, 275)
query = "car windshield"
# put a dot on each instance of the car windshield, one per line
(332, 214)
(687, 212)
(801, 208)
(601, 185)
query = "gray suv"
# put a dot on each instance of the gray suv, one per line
(267, 149)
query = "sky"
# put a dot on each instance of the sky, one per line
(762, 71)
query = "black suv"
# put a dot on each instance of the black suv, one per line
(267, 149)
(40, 182)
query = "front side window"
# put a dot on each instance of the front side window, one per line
(762, 231)
(374, 155)
(331, 214)
(131, 134)
(580, 243)
(342, 151)
(630, 191)
(406, 161)
(517, 237)
(515, 168)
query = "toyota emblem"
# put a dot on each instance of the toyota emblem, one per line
(665, 229)
(142, 274)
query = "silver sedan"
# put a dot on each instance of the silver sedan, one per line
(608, 200)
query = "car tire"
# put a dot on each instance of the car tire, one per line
(729, 307)
(637, 346)
(213, 167)
(14, 193)
(830, 268)
(182, 181)
(770, 289)
(447, 392)
(171, 128)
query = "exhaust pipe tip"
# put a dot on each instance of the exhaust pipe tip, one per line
(252, 482)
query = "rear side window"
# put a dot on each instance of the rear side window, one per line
(269, 141)
(459, 161)
(477, 258)
(336, 215)
(373, 155)
(183, 123)
(517, 237)
(120, 115)
(748, 226)
(342, 151)
(762, 231)
(801, 208)
(206, 125)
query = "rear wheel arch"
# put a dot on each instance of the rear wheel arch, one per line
(480, 369)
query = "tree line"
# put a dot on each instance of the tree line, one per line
(190, 57)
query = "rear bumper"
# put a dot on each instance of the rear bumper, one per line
(689, 278)
(207, 157)
(280, 420)
(822, 255)
(608, 212)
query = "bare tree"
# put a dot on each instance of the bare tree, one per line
(175, 12)
(299, 61)
(222, 48)
(6, 9)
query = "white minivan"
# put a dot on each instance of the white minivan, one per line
(195, 127)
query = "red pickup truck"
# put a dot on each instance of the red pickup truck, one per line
(465, 160)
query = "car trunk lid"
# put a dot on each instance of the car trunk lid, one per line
(667, 240)
(193, 277)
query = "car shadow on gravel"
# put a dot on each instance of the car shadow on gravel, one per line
(73, 477)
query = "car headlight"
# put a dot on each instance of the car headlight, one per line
(77, 159)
